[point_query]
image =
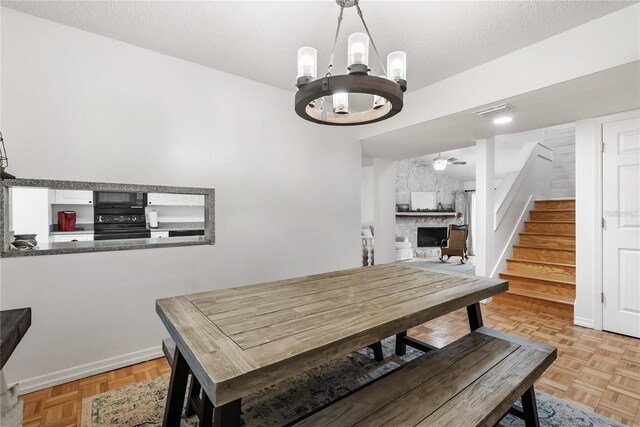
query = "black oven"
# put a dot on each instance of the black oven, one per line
(119, 215)
(119, 200)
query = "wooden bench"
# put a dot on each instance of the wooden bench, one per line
(471, 382)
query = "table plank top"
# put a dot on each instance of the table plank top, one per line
(240, 340)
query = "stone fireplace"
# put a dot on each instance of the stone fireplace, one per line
(408, 226)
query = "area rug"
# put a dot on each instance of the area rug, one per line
(142, 404)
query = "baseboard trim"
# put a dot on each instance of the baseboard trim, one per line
(77, 372)
(584, 322)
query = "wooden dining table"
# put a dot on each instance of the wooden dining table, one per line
(238, 341)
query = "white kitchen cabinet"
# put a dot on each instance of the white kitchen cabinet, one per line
(170, 199)
(72, 237)
(159, 234)
(72, 197)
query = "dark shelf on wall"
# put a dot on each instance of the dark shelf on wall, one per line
(431, 214)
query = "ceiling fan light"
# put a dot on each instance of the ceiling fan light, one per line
(440, 164)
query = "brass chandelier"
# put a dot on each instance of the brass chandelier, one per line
(387, 90)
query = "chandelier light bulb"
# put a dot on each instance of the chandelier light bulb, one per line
(307, 62)
(397, 66)
(358, 49)
(341, 103)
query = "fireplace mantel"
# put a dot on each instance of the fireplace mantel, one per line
(431, 214)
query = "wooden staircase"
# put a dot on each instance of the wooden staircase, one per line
(543, 268)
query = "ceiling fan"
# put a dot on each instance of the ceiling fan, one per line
(440, 163)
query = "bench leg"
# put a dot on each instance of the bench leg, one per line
(177, 390)
(228, 415)
(401, 347)
(530, 408)
(475, 316)
(377, 351)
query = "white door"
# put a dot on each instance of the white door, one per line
(621, 234)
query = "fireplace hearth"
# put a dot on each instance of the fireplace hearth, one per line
(429, 237)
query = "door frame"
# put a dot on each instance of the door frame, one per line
(589, 258)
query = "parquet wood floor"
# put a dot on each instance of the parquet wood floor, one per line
(597, 369)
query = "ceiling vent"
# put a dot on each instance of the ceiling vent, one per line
(490, 111)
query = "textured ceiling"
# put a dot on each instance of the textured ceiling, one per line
(259, 40)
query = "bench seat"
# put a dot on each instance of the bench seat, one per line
(471, 382)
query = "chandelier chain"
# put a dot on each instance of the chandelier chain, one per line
(375, 49)
(335, 42)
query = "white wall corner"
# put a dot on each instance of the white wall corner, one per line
(384, 211)
(485, 172)
(584, 322)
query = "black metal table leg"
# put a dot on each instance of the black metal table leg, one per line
(530, 408)
(205, 411)
(475, 316)
(377, 351)
(177, 390)
(228, 415)
(193, 400)
(401, 346)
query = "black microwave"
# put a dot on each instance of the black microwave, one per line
(119, 200)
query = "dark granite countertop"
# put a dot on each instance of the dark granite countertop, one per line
(57, 248)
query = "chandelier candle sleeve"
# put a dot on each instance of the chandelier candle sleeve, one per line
(358, 50)
(341, 103)
(307, 62)
(397, 66)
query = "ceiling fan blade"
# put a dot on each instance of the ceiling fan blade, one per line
(451, 160)
(459, 163)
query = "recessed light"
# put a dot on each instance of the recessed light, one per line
(502, 120)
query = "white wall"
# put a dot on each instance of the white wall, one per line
(384, 210)
(78, 106)
(366, 196)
